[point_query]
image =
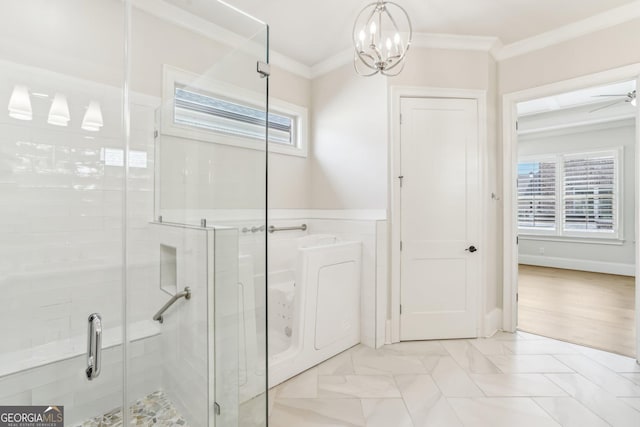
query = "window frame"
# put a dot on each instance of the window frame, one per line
(618, 191)
(174, 77)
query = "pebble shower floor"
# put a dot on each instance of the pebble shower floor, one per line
(153, 410)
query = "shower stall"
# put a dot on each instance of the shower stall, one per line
(133, 211)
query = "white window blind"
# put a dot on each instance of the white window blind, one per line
(589, 190)
(537, 195)
(206, 111)
(573, 194)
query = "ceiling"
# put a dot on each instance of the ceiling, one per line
(592, 97)
(311, 31)
(578, 108)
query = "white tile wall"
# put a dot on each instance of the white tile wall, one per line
(61, 244)
(184, 343)
(61, 220)
(65, 383)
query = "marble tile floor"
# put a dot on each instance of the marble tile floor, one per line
(507, 380)
(153, 410)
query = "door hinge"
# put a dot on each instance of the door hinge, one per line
(517, 240)
(216, 408)
(155, 133)
(517, 125)
(400, 118)
(400, 308)
(263, 69)
(401, 178)
(517, 297)
(400, 244)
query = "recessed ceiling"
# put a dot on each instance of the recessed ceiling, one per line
(312, 31)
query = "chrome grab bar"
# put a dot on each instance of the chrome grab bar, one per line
(273, 229)
(186, 294)
(94, 346)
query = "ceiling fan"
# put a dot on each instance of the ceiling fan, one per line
(626, 97)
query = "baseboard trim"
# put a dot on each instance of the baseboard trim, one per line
(387, 325)
(579, 264)
(492, 322)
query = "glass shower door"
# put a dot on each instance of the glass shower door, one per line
(198, 118)
(61, 208)
(133, 212)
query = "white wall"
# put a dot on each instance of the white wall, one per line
(607, 258)
(349, 141)
(589, 54)
(290, 176)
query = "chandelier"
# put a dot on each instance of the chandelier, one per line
(380, 44)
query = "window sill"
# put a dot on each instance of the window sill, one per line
(287, 150)
(573, 239)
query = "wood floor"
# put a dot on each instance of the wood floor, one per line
(592, 309)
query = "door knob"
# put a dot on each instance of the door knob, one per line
(471, 249)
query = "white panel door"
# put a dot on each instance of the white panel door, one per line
(439, 205)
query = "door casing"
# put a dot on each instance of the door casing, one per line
(509, 190)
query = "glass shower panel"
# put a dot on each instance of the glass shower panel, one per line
(240, 294)
(61, 206)
(196, 216)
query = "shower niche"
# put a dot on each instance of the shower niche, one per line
(169, 269)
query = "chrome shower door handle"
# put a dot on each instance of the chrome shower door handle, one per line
(94, 346)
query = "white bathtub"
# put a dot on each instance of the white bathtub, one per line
(314, 302)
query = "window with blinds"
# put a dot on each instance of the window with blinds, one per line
(206, 111)
(570, 195)
(537, 195)
(589, 190)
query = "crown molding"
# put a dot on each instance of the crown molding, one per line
(182, 18)
(288, 64)
(454, 42)
(420, 40)
(332, 63)
(574, 30)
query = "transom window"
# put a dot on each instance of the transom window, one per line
(230, 117)
(209, 110)
(573, 194)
